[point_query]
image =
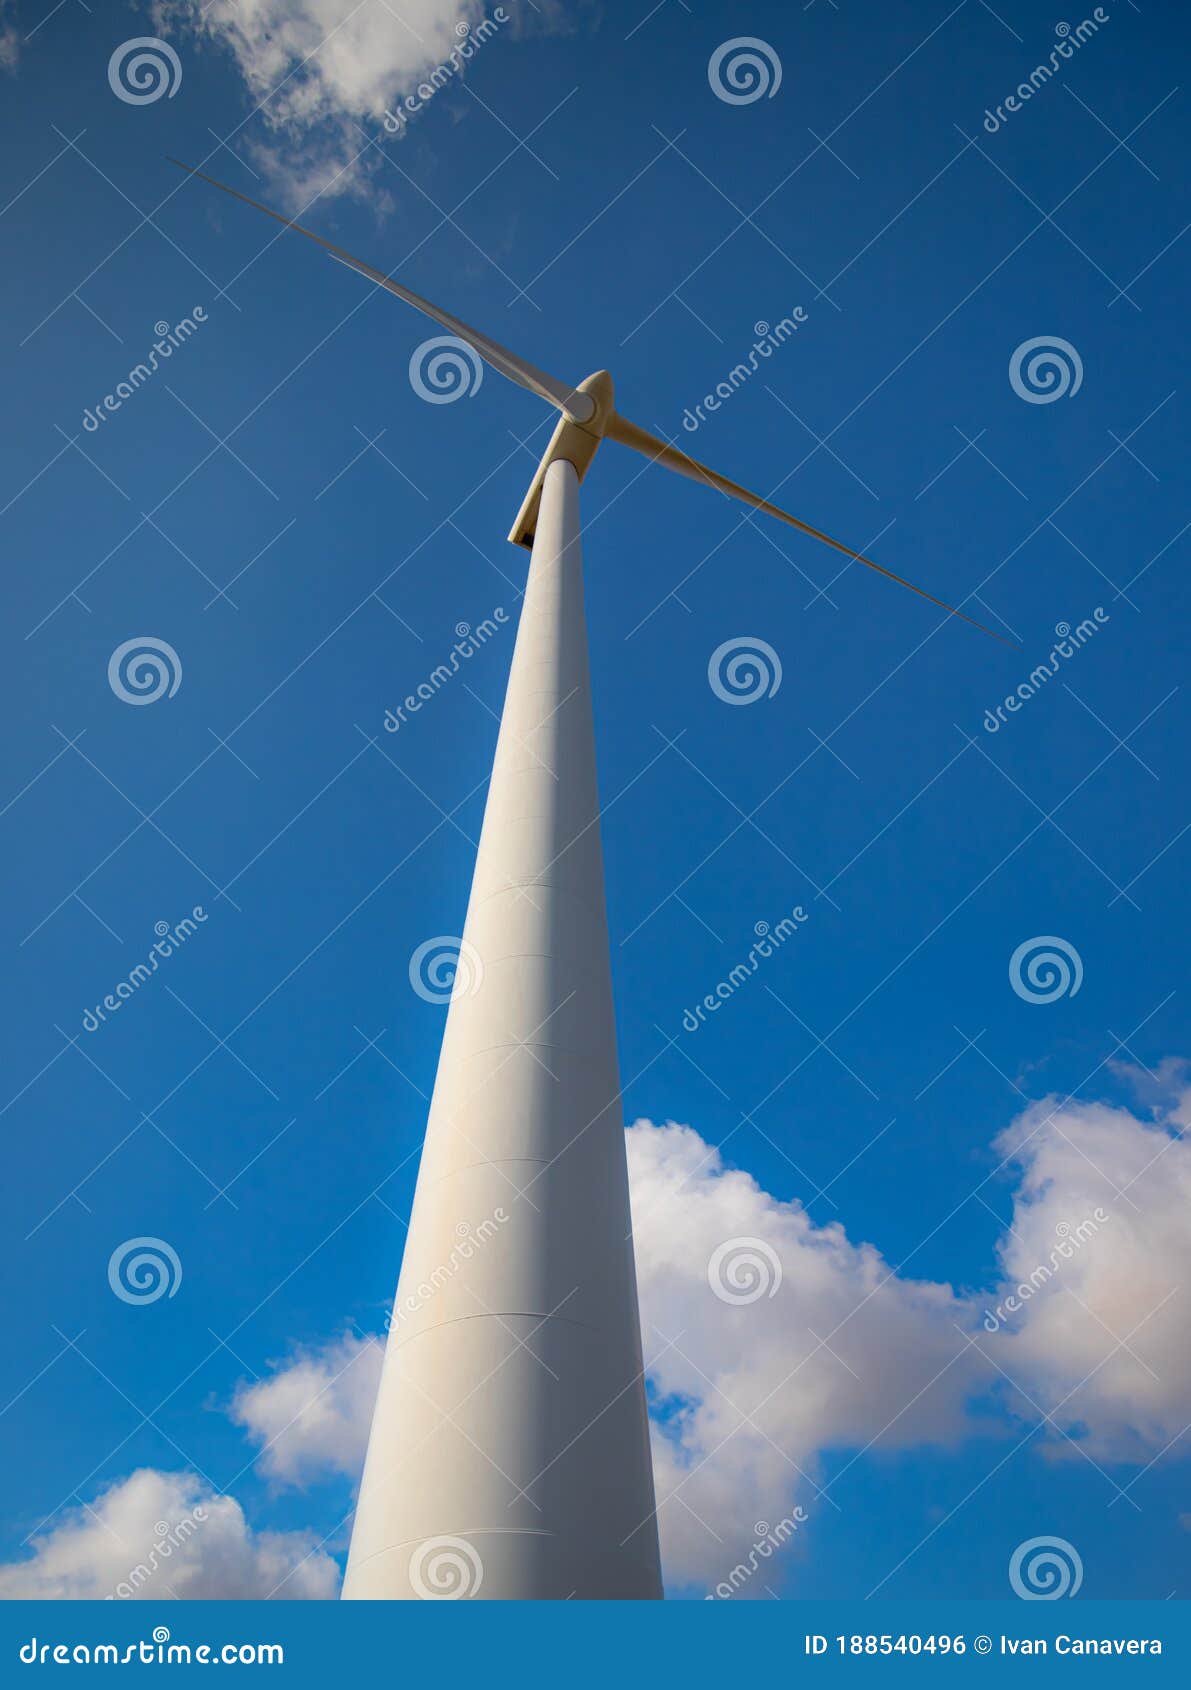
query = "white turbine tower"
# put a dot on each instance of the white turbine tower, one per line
(509, 1452)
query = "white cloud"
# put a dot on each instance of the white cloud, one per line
(846, 1356)
(311, 1414)
(1104, 1345)
(843, 1355)
(324, 73)
(10, 40)
(155, 1535)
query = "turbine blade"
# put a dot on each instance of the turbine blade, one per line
(578, 406)
(628, 434)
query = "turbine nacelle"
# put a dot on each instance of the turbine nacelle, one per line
(574, 441)
(587, 413)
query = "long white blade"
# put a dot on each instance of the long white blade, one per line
(640, 439)
(578, 406)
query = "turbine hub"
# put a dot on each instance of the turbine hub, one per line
(576, 442)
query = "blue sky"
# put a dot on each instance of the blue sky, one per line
(305, 532)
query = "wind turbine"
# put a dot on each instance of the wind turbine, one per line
(509, 1451)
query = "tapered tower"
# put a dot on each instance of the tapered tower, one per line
(509, 1454)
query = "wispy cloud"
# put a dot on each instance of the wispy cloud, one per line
(10, 37)
(323, 74)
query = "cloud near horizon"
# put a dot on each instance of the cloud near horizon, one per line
(750, 1396)
(159, 1535)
